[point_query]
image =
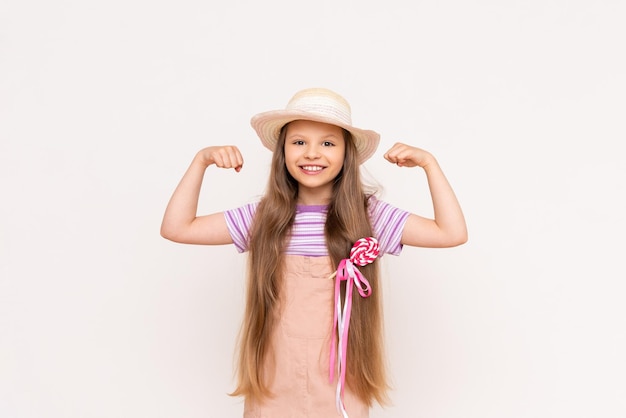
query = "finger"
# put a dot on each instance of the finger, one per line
(236, 160)
(222, 159)
(394, 151)
(402, 159)
(229, 157)
(394, 156)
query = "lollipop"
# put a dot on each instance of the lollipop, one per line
(364, 251)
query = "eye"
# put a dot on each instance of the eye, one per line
(298, 142)
(328, 144)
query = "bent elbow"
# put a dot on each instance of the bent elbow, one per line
(459, 239)
(165, 234)
(168, 233)
(462, 240)
(453, 239)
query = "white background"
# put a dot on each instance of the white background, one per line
(104, 104)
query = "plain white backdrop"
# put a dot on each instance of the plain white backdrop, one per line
(104, 104)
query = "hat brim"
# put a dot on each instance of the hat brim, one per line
(268, 125)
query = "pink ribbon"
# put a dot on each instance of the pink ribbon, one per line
(364, 251)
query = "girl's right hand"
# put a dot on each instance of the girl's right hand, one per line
(223, 156)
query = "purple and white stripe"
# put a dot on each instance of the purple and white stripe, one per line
(239, 222)
(307, 237)
(307, 233)
(387, 225)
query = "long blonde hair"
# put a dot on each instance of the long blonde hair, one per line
(347, 221)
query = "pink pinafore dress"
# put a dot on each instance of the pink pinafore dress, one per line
(301, 341)
(298, 367)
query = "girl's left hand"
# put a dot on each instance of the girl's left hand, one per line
(407, 156)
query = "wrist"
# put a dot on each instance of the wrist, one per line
(429, 161)
(203, 159)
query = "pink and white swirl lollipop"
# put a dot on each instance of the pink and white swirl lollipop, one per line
(364, 251)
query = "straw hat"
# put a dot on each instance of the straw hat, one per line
(318, 105)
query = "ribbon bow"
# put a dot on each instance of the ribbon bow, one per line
(364, 252)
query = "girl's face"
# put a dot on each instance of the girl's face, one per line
(314, 154)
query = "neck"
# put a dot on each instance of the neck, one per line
(310, 197)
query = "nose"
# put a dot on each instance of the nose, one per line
(312, 152)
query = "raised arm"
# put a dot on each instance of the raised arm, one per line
(180, 222)
(448, 228)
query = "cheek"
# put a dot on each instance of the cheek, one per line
(340, 156)
(290, 169)
(290, 163)
(289, 157)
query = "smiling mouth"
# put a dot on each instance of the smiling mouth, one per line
(312, 168)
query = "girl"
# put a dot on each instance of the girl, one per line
(312, 239)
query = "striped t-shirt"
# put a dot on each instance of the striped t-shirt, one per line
(307, 234)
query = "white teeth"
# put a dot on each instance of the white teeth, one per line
(312, 167)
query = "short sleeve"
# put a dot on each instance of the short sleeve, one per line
(388, 223)
(239, 222)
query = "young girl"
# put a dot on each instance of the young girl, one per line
(308, 347)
